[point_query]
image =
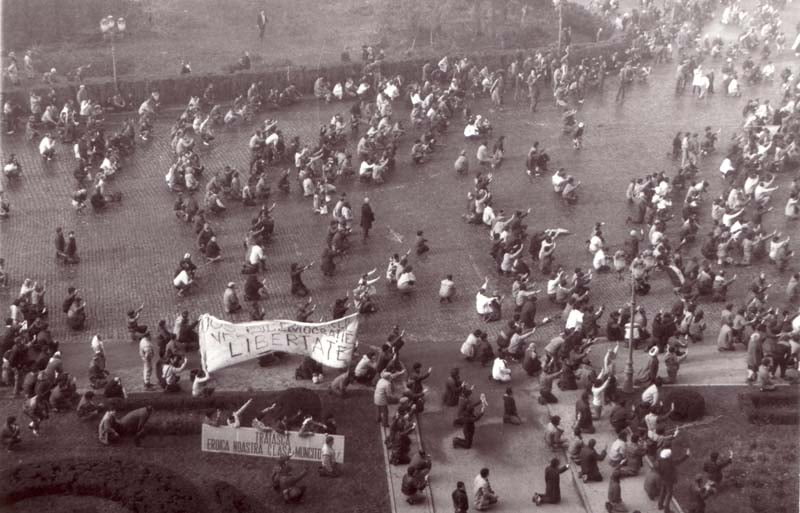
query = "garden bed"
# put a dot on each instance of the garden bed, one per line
(763, 476)
(777, 407)
(218, 482)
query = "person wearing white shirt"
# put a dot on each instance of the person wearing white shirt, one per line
(365, 170)
(471, 131)
(726, 166)
(750, 184)
(574, 319)
(469, 348)
(763, 192)
(656, 235)
(365, 369)
(651, 394)
(729, 217)
(500, 370)
(182, 282)
(47, 147)
(595, 243)
(489, 216)
(97, 345)
(487, 305)
(559, 179)
(516, 347)
(600, 262)
(406, 281)
(733, 87)
(256, 257)
(616, 452)
(792, 209)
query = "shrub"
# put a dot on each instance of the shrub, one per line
(230, 499)
(583, 21)
(777, 407)
(689, 405)
(138, 487)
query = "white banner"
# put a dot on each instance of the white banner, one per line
(268, 444)
(224, 343)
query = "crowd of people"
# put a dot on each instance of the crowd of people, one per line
(668, 241)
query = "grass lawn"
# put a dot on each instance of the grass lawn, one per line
(212, 34)
(763, 477)
(362, 488)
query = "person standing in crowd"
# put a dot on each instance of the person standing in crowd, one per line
(367, 219)
(667, 468)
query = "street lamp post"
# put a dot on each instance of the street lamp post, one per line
(558, 4)
(628, 386)
(110, 28)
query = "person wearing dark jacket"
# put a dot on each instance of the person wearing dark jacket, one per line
(589, 460)
(133, 423)
(367, 218)
(713, 468)
(698, 492)
(453, 386)
(667, 468)
(460, 498)
(552, 484)
(412, 486)
(468, 421)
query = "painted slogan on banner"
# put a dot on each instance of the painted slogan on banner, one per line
(224, 343)
(268, 444)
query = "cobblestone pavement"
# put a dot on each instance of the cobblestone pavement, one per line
(128, 253)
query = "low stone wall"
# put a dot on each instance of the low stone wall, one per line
(177, 89)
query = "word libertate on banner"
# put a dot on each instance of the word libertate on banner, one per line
(268, 444)
(224, 343)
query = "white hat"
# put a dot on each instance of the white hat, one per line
(187, 255)
(231, 284)
(653, 351)
(665, 453)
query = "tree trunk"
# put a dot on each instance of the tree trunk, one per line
(491, 22)
(476, 16)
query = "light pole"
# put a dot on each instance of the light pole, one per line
(558, 4)
(110, 28)
(628, 386)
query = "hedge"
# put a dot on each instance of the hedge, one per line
(230, 499)
(777, 407)
(138, 487)
(177, 89)
(689, 405)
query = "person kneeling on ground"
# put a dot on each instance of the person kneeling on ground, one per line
(10, 437)
(552, 484)
(87, 409)
(286, 483)
(413, 485)
(171, 373)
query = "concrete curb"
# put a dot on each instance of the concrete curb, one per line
(576, 480)
(396, 499)
(389, 482)
(578, 483)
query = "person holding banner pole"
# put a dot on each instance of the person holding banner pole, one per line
(329, 467)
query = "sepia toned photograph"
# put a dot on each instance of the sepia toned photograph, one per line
(397, 256)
